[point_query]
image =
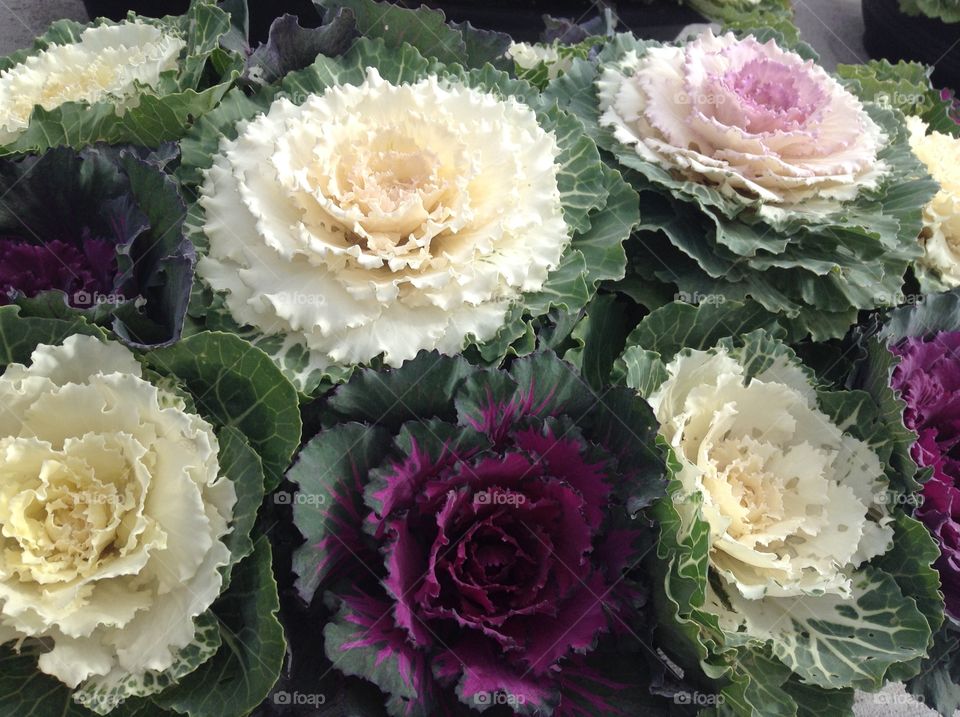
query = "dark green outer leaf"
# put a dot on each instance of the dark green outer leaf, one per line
(243, 672)
(238, 385)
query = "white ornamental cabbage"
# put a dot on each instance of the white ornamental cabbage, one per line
(754, 120)
(940, 153)
(792, 501)
(108, 63)
(383, 219)
(530, 56)
(112, 513)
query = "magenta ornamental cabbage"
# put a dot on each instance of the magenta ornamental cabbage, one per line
(928, 378)
(476, 529)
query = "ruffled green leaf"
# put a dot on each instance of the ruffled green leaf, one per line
(105, 695)
(745, 15)
(905, 86)
(425, 29)
(946, 10)
(326, 474)
(239, 386)
(19, 336)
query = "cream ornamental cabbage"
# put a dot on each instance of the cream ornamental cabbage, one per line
(528, 56)
(789, 497)
(383, 219)
(112, 513)
(941, 217)
(108, 63)
(754, 120)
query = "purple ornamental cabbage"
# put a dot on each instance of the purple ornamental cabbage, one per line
(98, 231)
(476, 532)
(928, 378)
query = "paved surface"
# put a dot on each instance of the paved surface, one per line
(833, 27)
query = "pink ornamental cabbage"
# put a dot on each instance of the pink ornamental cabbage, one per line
(755, 120)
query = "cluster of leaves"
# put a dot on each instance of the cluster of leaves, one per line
(905, 86)
(946, 10)
(745, 15)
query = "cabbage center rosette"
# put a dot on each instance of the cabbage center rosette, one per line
(760, 175)
(142, 80)
(498, 508)
(113, 513)
(787, 556)
(405, 206)
(788, 500)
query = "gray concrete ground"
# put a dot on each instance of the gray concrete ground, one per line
(833, 27)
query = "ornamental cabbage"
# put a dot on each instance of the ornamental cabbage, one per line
(383, 204)
(760, 175)
(108, 62)
(792, 572)
(113, 511)
(477, 531)
(940, 153)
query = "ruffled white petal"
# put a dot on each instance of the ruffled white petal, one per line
(941, 217)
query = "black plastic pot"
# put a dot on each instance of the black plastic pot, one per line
(262, 12)
(893, 35)
(522, 19)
